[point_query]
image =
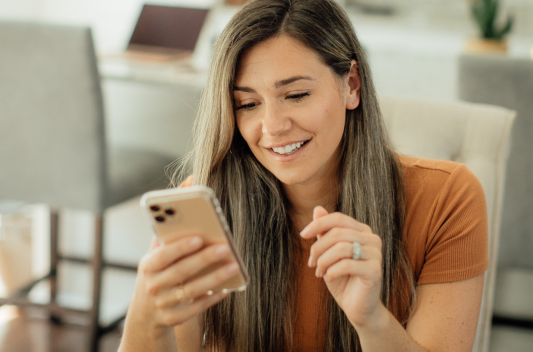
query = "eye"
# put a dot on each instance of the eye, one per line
(247, 107)
(299, 96)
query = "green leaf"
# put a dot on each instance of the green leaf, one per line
(485, 13)
(505, 29)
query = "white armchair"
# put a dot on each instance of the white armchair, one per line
(473, 134)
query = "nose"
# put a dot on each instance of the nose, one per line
(275, 121)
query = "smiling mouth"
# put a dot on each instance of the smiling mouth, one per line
(289, 148)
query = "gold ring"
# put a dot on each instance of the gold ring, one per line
(181, 296)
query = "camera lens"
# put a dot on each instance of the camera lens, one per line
(169, 211)
(154, 208)
(159, 218)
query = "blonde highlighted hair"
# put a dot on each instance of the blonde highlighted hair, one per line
(369, 177)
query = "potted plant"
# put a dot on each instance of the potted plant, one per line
(492, 38)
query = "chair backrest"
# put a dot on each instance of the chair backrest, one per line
(51, 117)
(473, 134)
(508, 82)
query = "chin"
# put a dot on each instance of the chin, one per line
(291, 177)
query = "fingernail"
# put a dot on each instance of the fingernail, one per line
(233, 268)
(305, 231)
(195, 242)
(222, 250)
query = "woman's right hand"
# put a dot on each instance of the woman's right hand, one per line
(166, 269)
(156, 306)
(164, 275)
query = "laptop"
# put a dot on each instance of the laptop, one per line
(165, 33)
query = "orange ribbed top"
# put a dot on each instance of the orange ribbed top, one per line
(445, 232)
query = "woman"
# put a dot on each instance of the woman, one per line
(339, 234)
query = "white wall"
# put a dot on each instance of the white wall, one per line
(112, 20)
(21, 9)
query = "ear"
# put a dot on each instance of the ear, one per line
(353, 94)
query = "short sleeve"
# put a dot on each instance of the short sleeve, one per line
(457, 239)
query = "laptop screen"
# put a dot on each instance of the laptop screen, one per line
(168, 27)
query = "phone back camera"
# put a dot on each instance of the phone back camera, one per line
(160, 218)
(154, 208)
(169, 211)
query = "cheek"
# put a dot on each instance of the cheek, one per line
(330, 116)
(248, 130)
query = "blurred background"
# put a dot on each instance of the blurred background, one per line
(144, 94)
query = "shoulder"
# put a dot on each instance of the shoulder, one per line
(413, 167)
(446, 219)
(188, 182)
(436, 177)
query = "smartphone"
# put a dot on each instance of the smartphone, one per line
(194, 210)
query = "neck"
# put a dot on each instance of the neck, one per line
(303, 198)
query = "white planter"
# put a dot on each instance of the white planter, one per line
(485, 46)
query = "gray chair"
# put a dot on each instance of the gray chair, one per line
(53, 143)
(508, 82)
(473, 134)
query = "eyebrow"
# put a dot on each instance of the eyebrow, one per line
(278, 84)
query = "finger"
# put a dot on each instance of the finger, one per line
(202, 286)
(340, 251)
(319, 212)
(340, 234)
(154, 243)
(163, 256)
(327, 222)
(188, 267)
(369, 270)
(185, 311)
(208, 283)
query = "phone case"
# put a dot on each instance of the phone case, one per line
(193, 210)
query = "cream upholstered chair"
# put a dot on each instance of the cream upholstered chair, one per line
(473, 134)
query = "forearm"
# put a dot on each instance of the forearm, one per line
(387, 335)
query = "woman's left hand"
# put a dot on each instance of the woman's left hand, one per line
(355, 284)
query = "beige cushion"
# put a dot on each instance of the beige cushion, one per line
(473, 134)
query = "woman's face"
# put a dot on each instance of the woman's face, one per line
(291, 109)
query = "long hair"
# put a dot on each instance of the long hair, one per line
(370, 182)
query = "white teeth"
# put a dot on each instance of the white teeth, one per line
(288, 149)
